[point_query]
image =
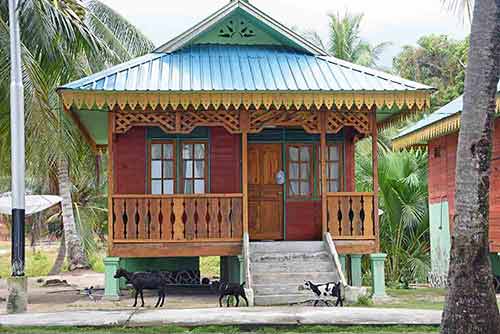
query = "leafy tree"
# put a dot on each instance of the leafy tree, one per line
(471, 305)
(61, 41)
(438, 61)
(404, 224)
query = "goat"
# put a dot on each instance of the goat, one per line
(229, 289)
(321, 291)
(144, 280)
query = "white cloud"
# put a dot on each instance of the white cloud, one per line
(400, 21)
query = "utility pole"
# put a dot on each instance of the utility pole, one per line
(17, 300)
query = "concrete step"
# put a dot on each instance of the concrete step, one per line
(280, 289)
(286, 246)
(294, 278)
(289, 256)
(280, 299)
(291, 267)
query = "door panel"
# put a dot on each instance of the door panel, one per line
(265, 197)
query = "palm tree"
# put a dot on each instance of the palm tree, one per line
(471, 305)
(62, 40)
(345, 40)
(404, 224)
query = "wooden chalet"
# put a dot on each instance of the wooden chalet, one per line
(237, 131)
(438, 132)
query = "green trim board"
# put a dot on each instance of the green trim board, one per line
(96, 123)
(439, 229)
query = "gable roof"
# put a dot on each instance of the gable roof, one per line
(291, 38)
(241, 68)
(441, 122)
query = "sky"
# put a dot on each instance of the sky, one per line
(401, 22)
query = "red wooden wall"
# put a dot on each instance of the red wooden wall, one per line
(225, 161)
(129, 162)
(442, 163)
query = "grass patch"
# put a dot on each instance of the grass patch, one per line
(421, 298)
(38, 263)
(210, 266)
(227, 329)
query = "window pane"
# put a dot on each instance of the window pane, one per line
(156, 151)
(156, 169)
(333, 186)
(333, 170)
(199, 169)
(304, 153)
(294, 188)
(304, 188)
(334, 153)
(199, 186)
(294, 153)
(156, 187)
(168, 169)
(188, 169)
(187, 151)
(168, 151)
(294, 171)
(199, 151)
(188, 187)
(168, 187)
(304, 171)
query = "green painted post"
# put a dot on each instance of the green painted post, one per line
(111, 285)
(342, 264)
(241, 260)
(378, 275)
(356, 279)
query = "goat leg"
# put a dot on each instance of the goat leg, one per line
(237, 300)
(228, 300)
(159, 299)
(246, 300)
(142, 298)
(136, 294)
(162, 298)
(220, 300)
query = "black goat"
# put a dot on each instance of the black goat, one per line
(145, 280)
(325, 290)
(229, 289)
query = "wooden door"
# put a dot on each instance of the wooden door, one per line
(265, 196)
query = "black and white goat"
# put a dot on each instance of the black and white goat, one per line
(229, 289)
(325, 290)
(145, 281)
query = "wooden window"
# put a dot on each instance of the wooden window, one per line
(334, 168)
(300, 170)
(194, 167)
(162, 168)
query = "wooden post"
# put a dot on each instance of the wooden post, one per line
(244, 166)
(323, 152)
(111, 119)
(375, 178)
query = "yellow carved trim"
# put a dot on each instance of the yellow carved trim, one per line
(143, 100)
(440, 128)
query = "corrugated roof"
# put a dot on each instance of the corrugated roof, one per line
(240, 68)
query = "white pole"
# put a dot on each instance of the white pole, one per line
(17, 142)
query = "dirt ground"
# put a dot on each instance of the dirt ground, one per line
(45, 299)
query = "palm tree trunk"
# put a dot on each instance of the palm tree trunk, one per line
(74, 246)
(61, 255)
(471, 306)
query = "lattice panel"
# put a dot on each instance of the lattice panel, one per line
(180, 122)
(125, 121)
(261, 118)
(336, 120)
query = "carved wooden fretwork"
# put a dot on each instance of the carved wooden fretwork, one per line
(259, 119)
(336, 120)
(186, 121)
(178, 122)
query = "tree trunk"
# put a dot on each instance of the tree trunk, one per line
(471, 306)
(74, 246)
(61, 255)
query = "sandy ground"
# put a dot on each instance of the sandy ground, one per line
(65, 298)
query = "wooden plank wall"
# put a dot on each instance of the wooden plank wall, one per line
(225, 161)
(129, 155)
(442, 163)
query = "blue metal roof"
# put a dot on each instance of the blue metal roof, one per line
(212, 67)
(448, 110)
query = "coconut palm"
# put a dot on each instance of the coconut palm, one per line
(404, 225)
(471, 305)
(62, 40)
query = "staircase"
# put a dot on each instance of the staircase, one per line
(279, 267)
